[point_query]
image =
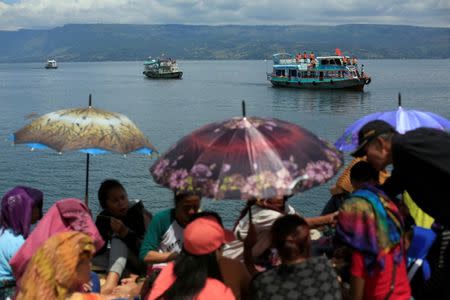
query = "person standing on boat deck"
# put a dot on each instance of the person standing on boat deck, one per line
(164, 236)
(421, 166)
(122, 224)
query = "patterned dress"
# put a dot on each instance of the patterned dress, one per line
(313, 279)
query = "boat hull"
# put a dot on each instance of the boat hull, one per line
(172, 75)
(347, 84)
(50, 67)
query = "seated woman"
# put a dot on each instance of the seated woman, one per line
(20, 207)
(371, 225)
(59, 268)
(65, 215)
(122, 224)
(164, 237)
(235, 274)
(264, 213)
(299, 276)
(195, 274)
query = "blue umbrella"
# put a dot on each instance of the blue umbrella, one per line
(401, 119)
(88, 130)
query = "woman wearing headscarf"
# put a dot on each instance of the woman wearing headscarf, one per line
(372, 226)
(65, 215)
(59, 268)
(20, 208)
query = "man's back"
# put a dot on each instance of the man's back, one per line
(421, 161)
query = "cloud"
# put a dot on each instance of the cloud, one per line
(50, 13)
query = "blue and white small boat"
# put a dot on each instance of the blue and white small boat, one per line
(323, 72)
(51, 64)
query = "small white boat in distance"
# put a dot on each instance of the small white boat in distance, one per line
(51, 64)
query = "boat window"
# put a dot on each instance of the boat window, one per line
(280, 72)
(338, 62)
(324, 62)
(332, 62)
(312, 74)
(293, 73)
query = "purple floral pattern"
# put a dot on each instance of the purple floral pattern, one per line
(224, 160)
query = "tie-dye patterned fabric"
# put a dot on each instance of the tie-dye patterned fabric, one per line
(371, 223)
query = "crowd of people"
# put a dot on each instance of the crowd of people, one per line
(380, 236)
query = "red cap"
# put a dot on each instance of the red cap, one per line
(203, 236)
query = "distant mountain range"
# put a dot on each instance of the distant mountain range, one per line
(108, 42)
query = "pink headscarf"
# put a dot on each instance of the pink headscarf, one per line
(65, 215)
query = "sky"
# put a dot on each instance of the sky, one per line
(16, 14)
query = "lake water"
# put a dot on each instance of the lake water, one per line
(167, 110)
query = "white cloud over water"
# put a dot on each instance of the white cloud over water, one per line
(16, 14)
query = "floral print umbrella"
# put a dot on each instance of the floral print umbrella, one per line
(247, 158)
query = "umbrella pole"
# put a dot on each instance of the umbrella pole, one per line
(86, 194)
(243, 108)
(399, 99)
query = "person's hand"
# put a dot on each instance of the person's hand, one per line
(130, 279)
(118, 227)
(334, 218)
(172, 256)
(129, 289)
(86, 287)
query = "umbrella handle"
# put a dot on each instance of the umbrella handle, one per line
(86, 194)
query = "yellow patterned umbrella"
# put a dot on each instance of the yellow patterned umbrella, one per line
(88, 130)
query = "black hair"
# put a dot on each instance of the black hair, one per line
(249, 205)
(207, 213)
(106, 186)
(191, 272)
(363, 171)
(178, 196)
(291, 226)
